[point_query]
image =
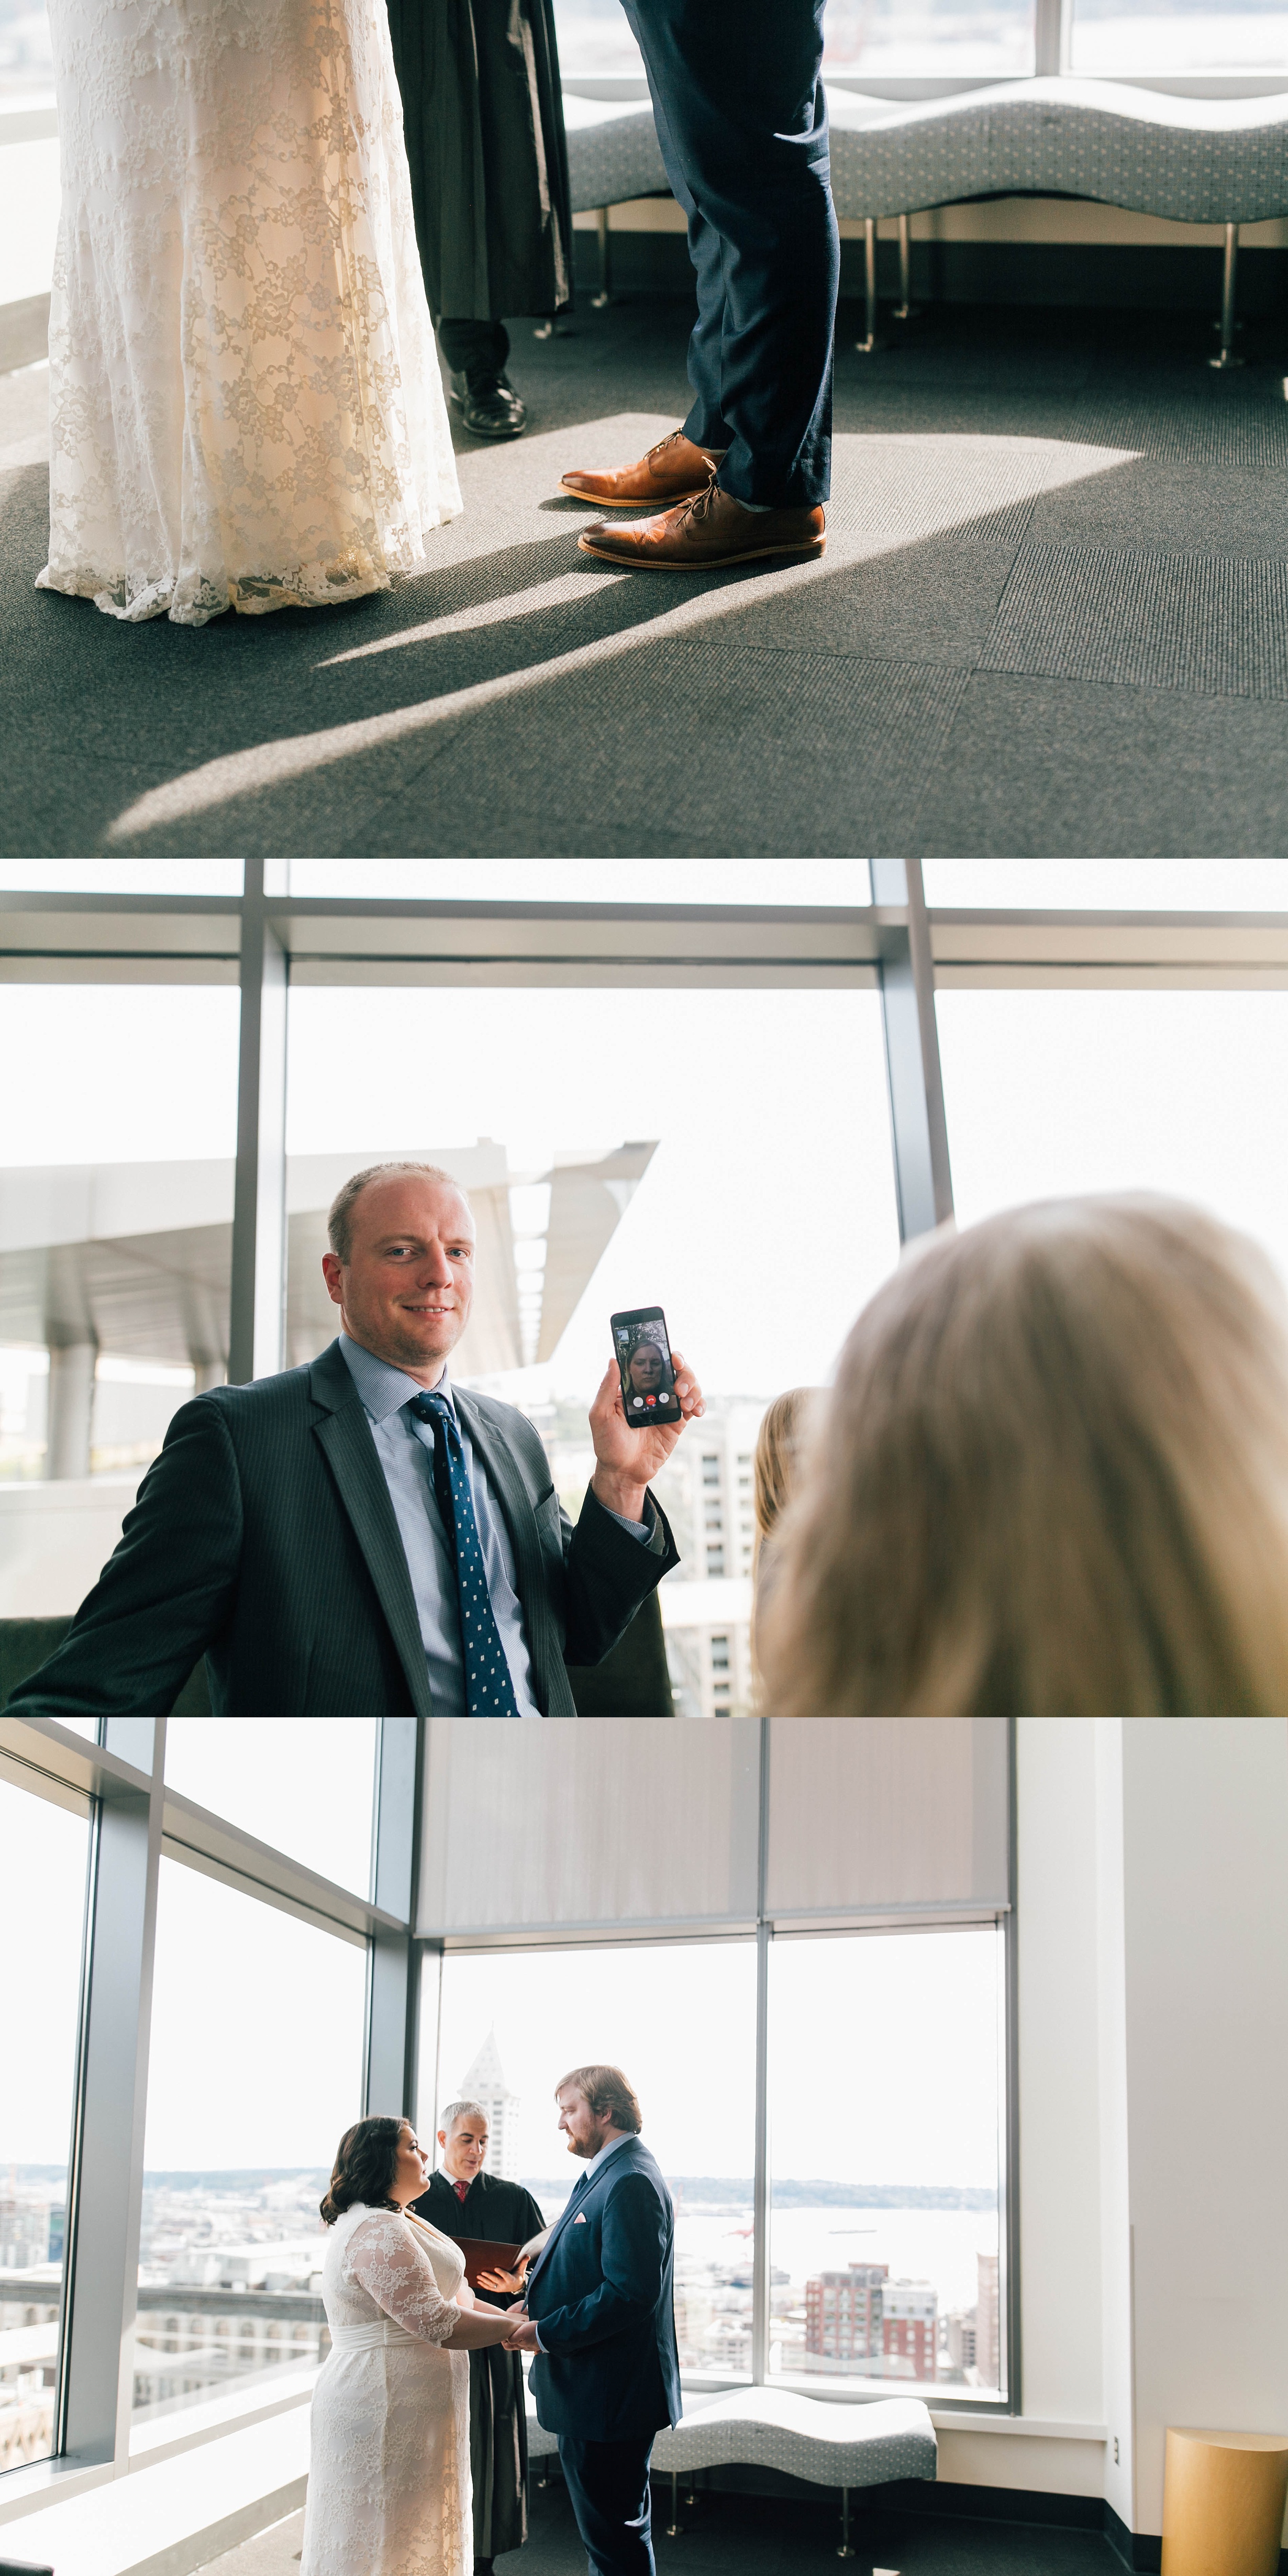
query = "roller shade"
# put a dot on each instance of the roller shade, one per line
(869, 1815)
(570, 1824)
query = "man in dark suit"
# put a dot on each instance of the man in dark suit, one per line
(361, 1537)
(742, 124)
(600, 2317)
(465, 2202)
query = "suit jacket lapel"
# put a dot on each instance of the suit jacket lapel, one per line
(568, 2215)
(346, 1439)
(530, 1578)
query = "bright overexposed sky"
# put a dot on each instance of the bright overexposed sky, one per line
(766, 1217)
(257, 2022)
(303, 1784)
(680, 2021)
(117, 1073)
(883, 2050)
(1050, 1093)
(1111, 885)
(883, 2057)
(42, 1910)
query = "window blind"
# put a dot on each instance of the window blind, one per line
(869, 1815)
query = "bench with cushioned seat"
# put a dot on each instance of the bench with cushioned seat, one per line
(613, 156)
(830, 2445)
(1189, 160)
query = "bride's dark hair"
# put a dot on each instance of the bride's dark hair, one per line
(364, 2166)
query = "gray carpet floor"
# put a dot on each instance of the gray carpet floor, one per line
(731, 2535)
(1052, 621)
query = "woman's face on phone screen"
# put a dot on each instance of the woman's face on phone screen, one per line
(646, 1369)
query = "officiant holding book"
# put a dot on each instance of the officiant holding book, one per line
(476, 2207)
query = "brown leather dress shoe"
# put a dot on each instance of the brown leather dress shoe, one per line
(672, 471)
(705, 534)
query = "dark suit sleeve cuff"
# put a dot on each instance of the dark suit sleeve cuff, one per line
(652, 1534)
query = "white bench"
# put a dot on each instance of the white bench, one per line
(1190, 160)
(830, 2445)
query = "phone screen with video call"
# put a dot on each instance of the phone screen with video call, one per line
(647, 1370)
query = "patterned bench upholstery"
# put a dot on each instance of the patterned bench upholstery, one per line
(613, 152)
(1191, 160)
(807, 2437)
(845, 2446)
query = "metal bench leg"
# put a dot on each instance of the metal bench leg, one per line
(674, 2526)
(605, 295)
(1225, 356)
(846, 2549)
(905, 308)
(870, 343)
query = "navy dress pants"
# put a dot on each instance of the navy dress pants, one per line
(608, 2484)
(742, 123)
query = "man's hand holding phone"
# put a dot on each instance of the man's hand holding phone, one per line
(626, 1460)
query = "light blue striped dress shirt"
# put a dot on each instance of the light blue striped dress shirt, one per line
(405, 1448)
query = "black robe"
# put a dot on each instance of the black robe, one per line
(483, 117)
(502, 2213)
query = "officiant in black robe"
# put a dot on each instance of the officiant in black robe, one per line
(504, 2214)
(483, 117)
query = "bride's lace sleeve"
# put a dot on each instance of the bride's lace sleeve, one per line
(387, 2263)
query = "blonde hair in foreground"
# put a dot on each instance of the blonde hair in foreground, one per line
(780, 1444)
(1053, 1479)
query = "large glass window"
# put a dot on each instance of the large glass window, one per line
(42, 1905)
(113, 876)
(1109, 885)
(724, 1154)
(116, 1201)
(1062, 1091)
(1114, 39)
(680, 2020)
(936, 37)
(885, 2056)
(696, 881)
(303, 1784)
(254, 2074)
(26, 54)
(939, 39)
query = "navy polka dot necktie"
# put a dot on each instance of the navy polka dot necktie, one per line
(489, 1691)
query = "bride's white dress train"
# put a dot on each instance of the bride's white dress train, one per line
(245, 403)
(389, 2477)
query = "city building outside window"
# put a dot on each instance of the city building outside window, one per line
(42, 1900)
(887, 2102)
(255, 2072)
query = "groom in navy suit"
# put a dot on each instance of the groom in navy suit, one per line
(599, 2316)
(742, 123)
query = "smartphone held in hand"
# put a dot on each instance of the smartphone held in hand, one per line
(642, 1350)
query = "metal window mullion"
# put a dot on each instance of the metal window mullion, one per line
(918, 1124)
(761, 2183)
(257, 1287)
(105, 2178)
(389, 2072)
(1052, 36)
(1008, 2302)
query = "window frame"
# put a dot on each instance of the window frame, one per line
(266, 942)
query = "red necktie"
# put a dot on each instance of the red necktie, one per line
(460, 2189)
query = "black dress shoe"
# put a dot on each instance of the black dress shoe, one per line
(489, 407)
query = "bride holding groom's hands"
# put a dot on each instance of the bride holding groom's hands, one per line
(389, 2484)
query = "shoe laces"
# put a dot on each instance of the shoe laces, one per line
(700, 504)
(663, 444)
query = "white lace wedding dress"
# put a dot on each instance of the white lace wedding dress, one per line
(245, 403)
(389, 2477)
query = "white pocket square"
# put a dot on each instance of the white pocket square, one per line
(580, 2219)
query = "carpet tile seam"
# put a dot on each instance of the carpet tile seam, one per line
(1213, 635)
